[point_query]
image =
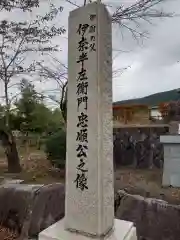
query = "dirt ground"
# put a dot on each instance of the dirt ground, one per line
(147, 183)
(6, 234)
(36, 169)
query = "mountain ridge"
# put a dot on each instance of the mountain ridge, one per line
(153, 99)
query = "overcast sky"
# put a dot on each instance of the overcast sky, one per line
(153, 65)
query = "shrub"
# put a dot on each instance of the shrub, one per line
(56, 148)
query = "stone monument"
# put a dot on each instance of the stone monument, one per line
(89, 211)
(171, 145)
(171, 167)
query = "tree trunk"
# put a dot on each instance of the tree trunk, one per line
(38, 145)
(7, 138)
(27, 144)
(10, 149)
(63, 102)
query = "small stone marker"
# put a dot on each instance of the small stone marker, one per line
(89, 204)
(171, 166)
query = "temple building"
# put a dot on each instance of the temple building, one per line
(131, 114)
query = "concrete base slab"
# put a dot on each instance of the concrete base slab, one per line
(123, 230)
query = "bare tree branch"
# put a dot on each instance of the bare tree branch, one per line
(119, 71)
(141, 10)
(57, 73)
(72, 3)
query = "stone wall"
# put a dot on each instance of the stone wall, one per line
(28, 209)
(154, 219)
(37, 207)
(139, 146)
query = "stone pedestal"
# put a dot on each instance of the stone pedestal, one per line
(171, 170)
(122, 230)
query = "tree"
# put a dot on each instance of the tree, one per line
(26, 106)
(32, 116)
(55, 122)
(170, 111)
(17, 40)
(163, 108)
(25, 5)
(57, 73)
(173, 111)
(56, 148)
(132, 16)
(129, 17)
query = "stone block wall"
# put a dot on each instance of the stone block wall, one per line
(28, 209)
(154, 219)
(38, 207)
(139, 146)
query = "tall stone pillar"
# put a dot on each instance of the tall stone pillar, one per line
(89, 211)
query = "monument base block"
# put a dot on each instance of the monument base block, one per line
(123, 230)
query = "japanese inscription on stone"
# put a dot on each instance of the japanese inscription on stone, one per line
(86, 44)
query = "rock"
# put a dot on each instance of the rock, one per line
(28, 209)
(12, 181)
(154, 219)
(49, 207)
